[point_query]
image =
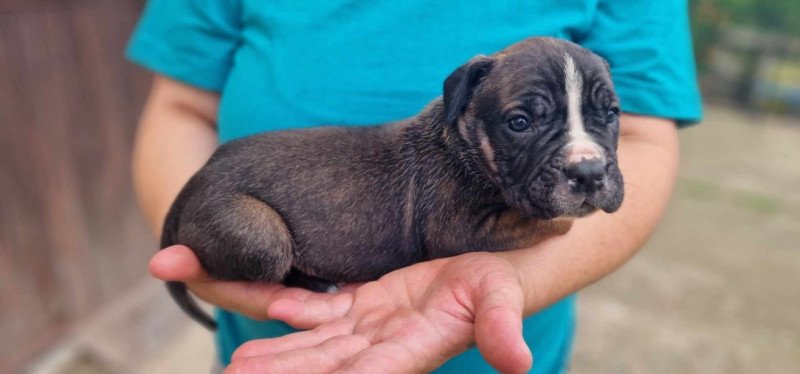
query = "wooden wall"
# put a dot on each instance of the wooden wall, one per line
(70, 234)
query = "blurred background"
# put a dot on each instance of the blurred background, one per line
(717, 290)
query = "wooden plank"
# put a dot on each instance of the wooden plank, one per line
(70, 234)
(21, 6)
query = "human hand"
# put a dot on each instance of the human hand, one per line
(252, 299)
(410, 320)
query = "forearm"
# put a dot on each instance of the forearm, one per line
(599, 244)
(175, 137)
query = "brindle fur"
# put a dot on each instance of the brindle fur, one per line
(319, 206)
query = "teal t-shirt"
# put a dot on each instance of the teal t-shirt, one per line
(285, 64)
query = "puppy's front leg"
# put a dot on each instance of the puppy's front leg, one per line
(509, 229)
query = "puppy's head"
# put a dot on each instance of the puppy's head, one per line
(540, 120)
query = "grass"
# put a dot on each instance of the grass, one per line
(754, 202)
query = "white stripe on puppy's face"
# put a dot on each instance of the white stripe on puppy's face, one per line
(580, 144)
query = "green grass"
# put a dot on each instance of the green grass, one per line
(755, 202)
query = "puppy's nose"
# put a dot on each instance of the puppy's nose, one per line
(586, 175)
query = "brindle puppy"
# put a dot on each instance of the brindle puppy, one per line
(519, 139)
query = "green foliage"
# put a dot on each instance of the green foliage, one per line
(778, 16)
(710, 16)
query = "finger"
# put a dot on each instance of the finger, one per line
(498, 325)
(293, 341)
(350, 287)
(177, 263)
(311, 311)
(254, 299)
(248, 298)
(322, 358)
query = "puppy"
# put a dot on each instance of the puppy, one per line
(521, 143)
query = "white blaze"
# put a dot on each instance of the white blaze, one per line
(580, 145)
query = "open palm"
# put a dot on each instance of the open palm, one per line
(410, 320)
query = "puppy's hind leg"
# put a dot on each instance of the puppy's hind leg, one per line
(239, 237)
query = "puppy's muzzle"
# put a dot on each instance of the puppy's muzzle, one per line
(585, 169)
(586, 176)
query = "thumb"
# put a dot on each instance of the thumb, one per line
(177, 263)
(498, 324)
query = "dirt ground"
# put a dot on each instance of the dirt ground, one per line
(717, 289)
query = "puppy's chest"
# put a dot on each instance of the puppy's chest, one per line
(455, 219)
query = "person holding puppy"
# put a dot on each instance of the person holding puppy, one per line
(229, 69)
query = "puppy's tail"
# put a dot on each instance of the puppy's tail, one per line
(178, 290)
(189, 306)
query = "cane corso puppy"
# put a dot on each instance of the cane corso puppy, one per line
(521, 143)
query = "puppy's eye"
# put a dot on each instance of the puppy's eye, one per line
(612, 115)
(518, 124)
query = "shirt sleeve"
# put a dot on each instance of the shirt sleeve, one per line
(648, 45)
(192, 41)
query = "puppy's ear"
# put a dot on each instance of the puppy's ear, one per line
(458, 87)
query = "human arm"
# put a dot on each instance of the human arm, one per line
(175, 137)
(415, 318)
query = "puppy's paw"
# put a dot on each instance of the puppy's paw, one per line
(311, 283)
